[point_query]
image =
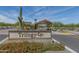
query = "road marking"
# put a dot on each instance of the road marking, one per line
(70, 49)
(66, 47)
(4, 40)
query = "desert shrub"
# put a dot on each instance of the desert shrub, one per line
(33, 47)
(56, 47)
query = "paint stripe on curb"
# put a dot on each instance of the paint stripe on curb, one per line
(4, 40)
(66, 47)
(72, 51)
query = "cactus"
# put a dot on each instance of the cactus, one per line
(20, 18)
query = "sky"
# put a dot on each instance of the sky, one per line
(64, 14)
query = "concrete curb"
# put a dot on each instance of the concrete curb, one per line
(4, 40)
(66, 47)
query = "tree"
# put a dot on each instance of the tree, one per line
(57, 25)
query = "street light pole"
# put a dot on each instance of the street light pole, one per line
(35, 23)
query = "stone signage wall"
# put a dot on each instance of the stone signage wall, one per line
(30, 34)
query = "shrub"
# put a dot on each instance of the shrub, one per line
(23, 47)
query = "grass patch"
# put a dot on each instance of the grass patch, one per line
(33, 47)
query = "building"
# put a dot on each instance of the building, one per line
(27, 25)
(44, 25)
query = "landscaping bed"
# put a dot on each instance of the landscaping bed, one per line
(30, 47)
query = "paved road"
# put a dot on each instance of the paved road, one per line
(68, 40)
(4, 33)
(2, 37)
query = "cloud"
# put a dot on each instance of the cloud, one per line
(11, 14)
(6, 19)
(36, 10)
(67, 20)
(49, 11)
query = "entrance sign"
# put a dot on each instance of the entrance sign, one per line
(30, 35)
